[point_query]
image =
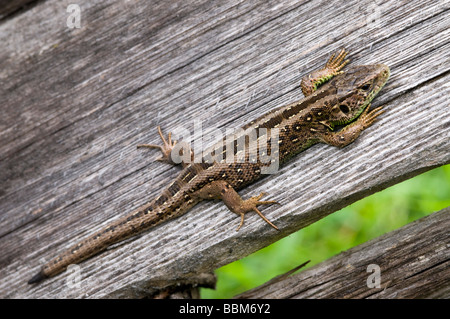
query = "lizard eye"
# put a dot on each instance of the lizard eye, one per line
(365, 87)
(344, 108)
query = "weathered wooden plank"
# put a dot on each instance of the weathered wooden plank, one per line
(410, 262)
(76, 102)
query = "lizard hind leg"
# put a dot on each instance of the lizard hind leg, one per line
(251, 205)
(223, 190)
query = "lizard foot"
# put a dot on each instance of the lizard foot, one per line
(251, 205)
(166, 148)
(350, 132)
(335, 64)
(333, 67)
(368, 118)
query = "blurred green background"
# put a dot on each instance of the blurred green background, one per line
(363, 220)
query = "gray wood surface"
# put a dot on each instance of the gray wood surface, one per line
(76, 102)
(410, 262)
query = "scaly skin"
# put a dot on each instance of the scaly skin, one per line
(344, 100)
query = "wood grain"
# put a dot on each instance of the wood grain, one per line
(76, 102)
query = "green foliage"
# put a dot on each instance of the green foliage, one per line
(364, 220)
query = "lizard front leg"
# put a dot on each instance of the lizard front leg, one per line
(350, 132)
(224, 191)
(167, 148)
(333, 67)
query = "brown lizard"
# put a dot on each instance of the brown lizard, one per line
(332, 98)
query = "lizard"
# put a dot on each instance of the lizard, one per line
(335, 110)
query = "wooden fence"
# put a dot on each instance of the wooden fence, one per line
(75, 102)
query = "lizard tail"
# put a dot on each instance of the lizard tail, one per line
(171, 203)
(37, 278)
(128, 226)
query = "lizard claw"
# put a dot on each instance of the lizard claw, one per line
(335, 63)
(370, 117)
(251, 205)
(166, 148)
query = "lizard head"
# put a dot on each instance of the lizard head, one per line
(356, 88)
